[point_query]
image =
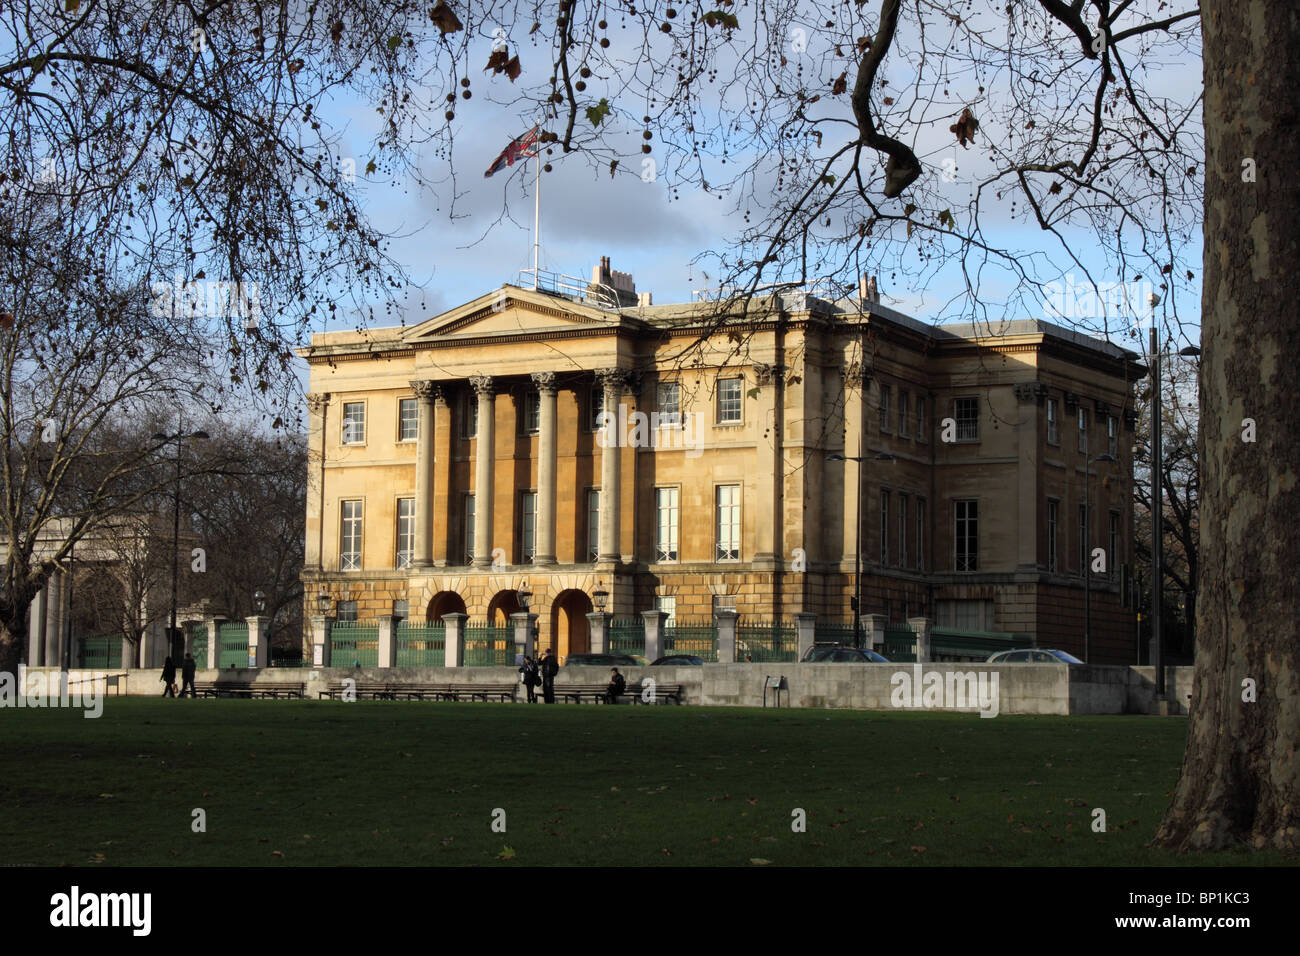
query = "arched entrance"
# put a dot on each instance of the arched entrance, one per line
(569, 632)
(501, 607)
(444, 602)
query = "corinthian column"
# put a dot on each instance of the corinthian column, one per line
(484, 469)
(317, 405)
(612, 380)
(770, 485)
(425, 392)
(545, 551)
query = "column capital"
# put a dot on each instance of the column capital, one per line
(616, 378)
(544, 382)
(317, 401)
(858, 373)
(482, 384)
(427, 390)
(1031, 392)
(766, 374)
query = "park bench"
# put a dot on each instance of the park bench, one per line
(663, 693)
(579, 692)
(503, 691)
(596, 693)
(363, 689)
(230, 688)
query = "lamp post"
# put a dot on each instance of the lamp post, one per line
(323, 602)
(176, 520)
(1087, 553)
(1158, 503)
(857, 548)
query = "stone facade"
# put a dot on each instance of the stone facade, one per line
(493, 406)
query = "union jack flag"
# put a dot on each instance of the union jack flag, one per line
(521, 148)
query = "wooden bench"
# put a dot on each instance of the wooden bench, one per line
(596, 693)
(663, 693)
(578, 692)
(362, 689)
(226, 688)
(501, 691)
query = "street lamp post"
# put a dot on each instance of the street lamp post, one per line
(857, 548)
(176, 522)
(1087, 553)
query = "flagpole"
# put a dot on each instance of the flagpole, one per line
(537, 214)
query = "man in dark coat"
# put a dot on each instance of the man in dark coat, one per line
(187, 675)
(550, 667)
(615, 688)
(169, 678)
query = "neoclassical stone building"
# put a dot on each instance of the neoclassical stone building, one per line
(465, 458)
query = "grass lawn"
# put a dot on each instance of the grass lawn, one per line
(383, 783)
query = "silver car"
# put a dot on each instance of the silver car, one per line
(1034, 655)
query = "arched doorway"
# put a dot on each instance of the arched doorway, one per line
(444, 602)
(569, 632)
(501, 607)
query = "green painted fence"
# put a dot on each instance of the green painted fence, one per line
(198, 639)
(354, 642)
(834, 632)
(699, 638)
(421, 645)
(767, 642)
(487, 646)
(232, 645)
(100, 651)
(626, 636)
(900, 644)
(949, 643)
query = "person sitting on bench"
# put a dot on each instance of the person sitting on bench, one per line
(617, 685)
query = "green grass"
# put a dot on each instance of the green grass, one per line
(327, 783)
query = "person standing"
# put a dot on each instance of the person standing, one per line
(169, 677)
(531, 680)
(187, 675)
(550, 667)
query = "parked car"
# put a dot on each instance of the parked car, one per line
(838, 654)
(603, 660)
(679, 659)
(1033, 655)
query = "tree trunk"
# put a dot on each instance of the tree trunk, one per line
(1240, 779)
(12, 640)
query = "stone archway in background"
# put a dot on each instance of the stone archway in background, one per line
(444, 602)
(502, 605)
(569, 631)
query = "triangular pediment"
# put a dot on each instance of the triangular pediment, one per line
(511, 310)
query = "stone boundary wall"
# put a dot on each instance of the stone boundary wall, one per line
(1021, 688)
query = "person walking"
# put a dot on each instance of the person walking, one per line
(187, 675)
(550, 667)
(530, 678)
(169, 678)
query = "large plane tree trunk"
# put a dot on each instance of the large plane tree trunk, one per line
(1240, 779)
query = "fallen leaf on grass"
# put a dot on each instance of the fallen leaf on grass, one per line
(759, 861)
(507, 853)
(917, 849)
